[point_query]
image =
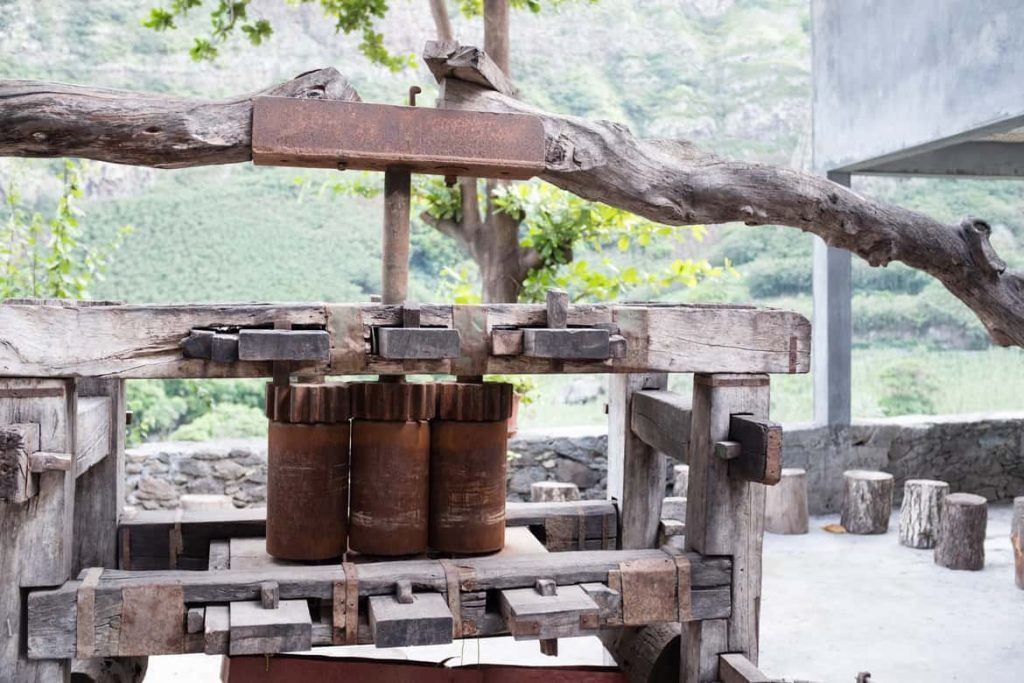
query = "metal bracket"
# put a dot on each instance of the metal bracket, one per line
(412, 342)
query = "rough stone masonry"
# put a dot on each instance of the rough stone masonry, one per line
(982, 454)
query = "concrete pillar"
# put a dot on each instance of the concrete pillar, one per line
(833, 330)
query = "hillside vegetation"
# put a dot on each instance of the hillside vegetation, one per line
(732, 75)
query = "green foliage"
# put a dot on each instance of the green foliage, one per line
(224, 421)
(895, 277)
(42, 257)
(908, 389)
(524, 386)
(932, 317)
(154, 413)
(771, 277)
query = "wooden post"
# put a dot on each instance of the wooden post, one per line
(36, 536)
(785, 508)
(725, 516)
(636, 472)
(919, 513)
(961, 543)
(867, 501)
(1017, 540)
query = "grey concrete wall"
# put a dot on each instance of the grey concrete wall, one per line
(889, 75)
(981, 454)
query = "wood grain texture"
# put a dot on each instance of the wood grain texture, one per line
(735, 668)
(867, 501)
(725, 515)
(785, 505)
(636, 472)
(661, 419)
(1017, 540)
(962, 524)
(41, 119)
(68, 339)
(675, 182)
(920, 512)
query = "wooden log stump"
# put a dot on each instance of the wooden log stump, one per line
(680, 480)
(553, 492)
(1017, 540)
(919, 513)
(785, 506)
(961, 542)
(867, 501)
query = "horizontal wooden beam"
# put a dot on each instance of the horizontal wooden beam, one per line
(736, 668)
(661, 419)
(54, 633)
(67, 339)
(180, 539)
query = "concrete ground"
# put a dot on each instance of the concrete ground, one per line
(833, 605)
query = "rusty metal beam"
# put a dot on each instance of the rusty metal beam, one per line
(376, 137)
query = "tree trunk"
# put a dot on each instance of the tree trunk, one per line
(442, 24)
(961, 543)
(785, 506)
(649, 654)
(867, 501)
(1017, 540)
(919, 513)
(496, 33)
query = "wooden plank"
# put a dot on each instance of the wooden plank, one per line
(136, 341)
(725, 515)
(216, 630)
(424, 621)
(255, 630)
(568, 612)
(417, 343)
(145, 534)
(661, 419)
(151, 620)
(282, 345)
(318, 133)
(566, 344)
(636, 472)
(735, 668)
(18, 442)
(220, 555)
(760, 458)
(93, 432)
(649, 591)
(52, 625)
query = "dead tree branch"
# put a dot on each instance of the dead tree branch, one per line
(675, 182)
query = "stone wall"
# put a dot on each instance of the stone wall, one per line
(981, 454)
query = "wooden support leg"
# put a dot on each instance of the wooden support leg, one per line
(725, 516)
(35, 536)
(636, 472)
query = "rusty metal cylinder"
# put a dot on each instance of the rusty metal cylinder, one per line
(390, 498)
(307, 490)
(468, 465)
(390, 470)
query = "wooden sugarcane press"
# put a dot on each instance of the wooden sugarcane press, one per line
(169, 582)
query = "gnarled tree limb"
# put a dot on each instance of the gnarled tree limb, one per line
(674, 182)
(39, 119)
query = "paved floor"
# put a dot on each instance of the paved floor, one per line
(833, 605)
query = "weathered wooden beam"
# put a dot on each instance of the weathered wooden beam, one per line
(724, 515)
(52, 628)
(18, 444)
(39, 119)
(282, 345)
(448, 59)
(636, 472)
(760, 457)
(67, 339)
(93, 432)
(661, 419)
(376, 137)
(735, 668)
(188, 539)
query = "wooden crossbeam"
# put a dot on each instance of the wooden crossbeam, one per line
(65, 339)
(53, 631)
(186, 539)
(661, 419)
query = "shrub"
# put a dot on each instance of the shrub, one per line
(772, 277)
(908, 388)
(226, 420)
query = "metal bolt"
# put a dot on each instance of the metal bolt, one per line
(413, 92)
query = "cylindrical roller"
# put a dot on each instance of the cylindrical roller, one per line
(467, 486)
(390, 487)
(307, 490)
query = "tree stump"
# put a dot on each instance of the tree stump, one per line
(1017, 539)
(867, 501)
(919, 514)
(961, 542)
(680, 480)
(553, 492)
(785, 505)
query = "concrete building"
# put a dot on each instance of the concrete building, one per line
(909, 88)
